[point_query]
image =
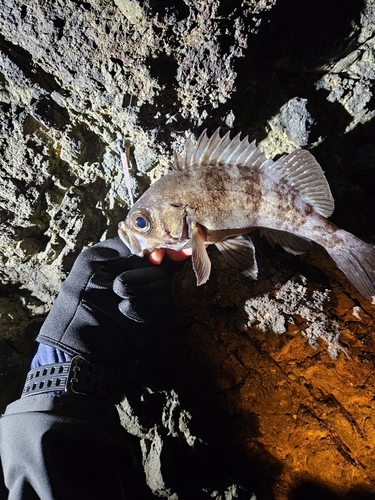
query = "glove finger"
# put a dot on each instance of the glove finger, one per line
(158, 308)
(144, 275)
(171, 265)
(141, 281)
(138, 291)
(126, 308)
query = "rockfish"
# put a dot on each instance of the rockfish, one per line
(221, 189)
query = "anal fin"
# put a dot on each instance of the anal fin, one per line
(240, 253)
(288, 241)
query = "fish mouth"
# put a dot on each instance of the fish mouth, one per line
(131, 241)
(141, 246)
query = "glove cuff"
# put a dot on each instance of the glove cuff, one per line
(77, 377)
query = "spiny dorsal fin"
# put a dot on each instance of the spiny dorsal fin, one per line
(298, 169)
(216, 150)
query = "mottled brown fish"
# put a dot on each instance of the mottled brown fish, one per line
(221, 189)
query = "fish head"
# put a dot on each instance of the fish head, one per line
(154, 223)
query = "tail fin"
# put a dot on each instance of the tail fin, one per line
(356, 259)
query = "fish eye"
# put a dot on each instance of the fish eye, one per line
(142, 222)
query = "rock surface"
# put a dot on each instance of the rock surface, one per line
(266, 388)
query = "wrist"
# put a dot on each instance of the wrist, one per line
(47, 355)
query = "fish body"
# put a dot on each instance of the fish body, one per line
(221, 189)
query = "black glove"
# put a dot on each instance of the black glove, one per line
(111, 304)
(146, 294)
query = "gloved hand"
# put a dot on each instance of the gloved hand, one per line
(111, 304)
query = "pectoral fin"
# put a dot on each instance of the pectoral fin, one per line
(240, 253)
(200, 259)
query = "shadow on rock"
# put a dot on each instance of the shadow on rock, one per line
(311, 490)
(201, 452)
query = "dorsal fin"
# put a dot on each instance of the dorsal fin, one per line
(216, 150)
(299, 169)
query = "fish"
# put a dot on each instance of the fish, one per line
(221, 189)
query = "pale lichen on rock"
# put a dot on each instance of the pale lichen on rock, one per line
(293, 300)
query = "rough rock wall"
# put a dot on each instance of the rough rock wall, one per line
(267, 387)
